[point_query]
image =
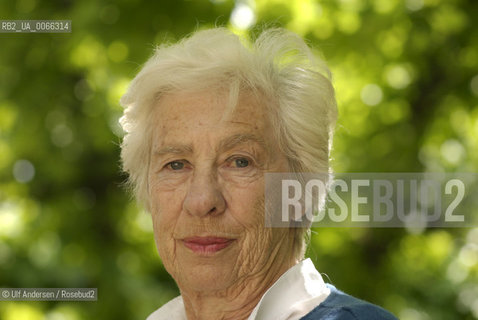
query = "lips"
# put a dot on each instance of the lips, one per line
(207, 245)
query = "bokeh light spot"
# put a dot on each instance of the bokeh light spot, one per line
(448, 19)
(384, 6)
(61, 135)
(117, 51)
(242, 17)
(21, 311)
(452, 151)
(456, 272)
(348, 22)
(63, 312)
(394, 111)
(115, 91)
(23, 171)
(8, 115)
(413, 314)
(89, 52)
(10, 219)
(324, 28)
(468, 255)
(472, 236)
(467, 297)
(414, 5)
(371, 94)
(43, 251)
(352, 5)
(398, 77)
(306, 14)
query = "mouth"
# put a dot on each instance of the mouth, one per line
(207, 245)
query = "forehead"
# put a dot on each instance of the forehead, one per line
(210, 111)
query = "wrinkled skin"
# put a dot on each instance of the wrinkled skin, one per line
(206, 178)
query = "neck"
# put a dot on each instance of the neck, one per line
(239, 300)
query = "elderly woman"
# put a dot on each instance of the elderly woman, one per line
(205, 120)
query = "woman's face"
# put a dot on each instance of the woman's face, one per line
(206, 185)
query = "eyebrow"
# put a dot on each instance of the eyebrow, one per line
(225, 144)
(241, 138)
(178, 149)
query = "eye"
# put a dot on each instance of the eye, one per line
(175, 165)
(240, 162)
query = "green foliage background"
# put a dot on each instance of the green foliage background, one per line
(406, 74)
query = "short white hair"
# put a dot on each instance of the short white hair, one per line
(295, 85)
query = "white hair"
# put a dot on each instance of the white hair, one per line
(295, 85)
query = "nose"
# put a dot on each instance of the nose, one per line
(204, 196)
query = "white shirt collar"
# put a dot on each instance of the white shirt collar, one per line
(295, 294)
(292, 296)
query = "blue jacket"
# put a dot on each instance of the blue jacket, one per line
(341, 306)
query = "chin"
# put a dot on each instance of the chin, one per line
(204, 278)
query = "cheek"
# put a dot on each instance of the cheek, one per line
(165, 210)
(258, 242)
(246, 203)
(165, 203)
(163, 225)
(246, 207)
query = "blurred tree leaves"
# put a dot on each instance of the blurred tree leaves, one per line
(406, 74)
